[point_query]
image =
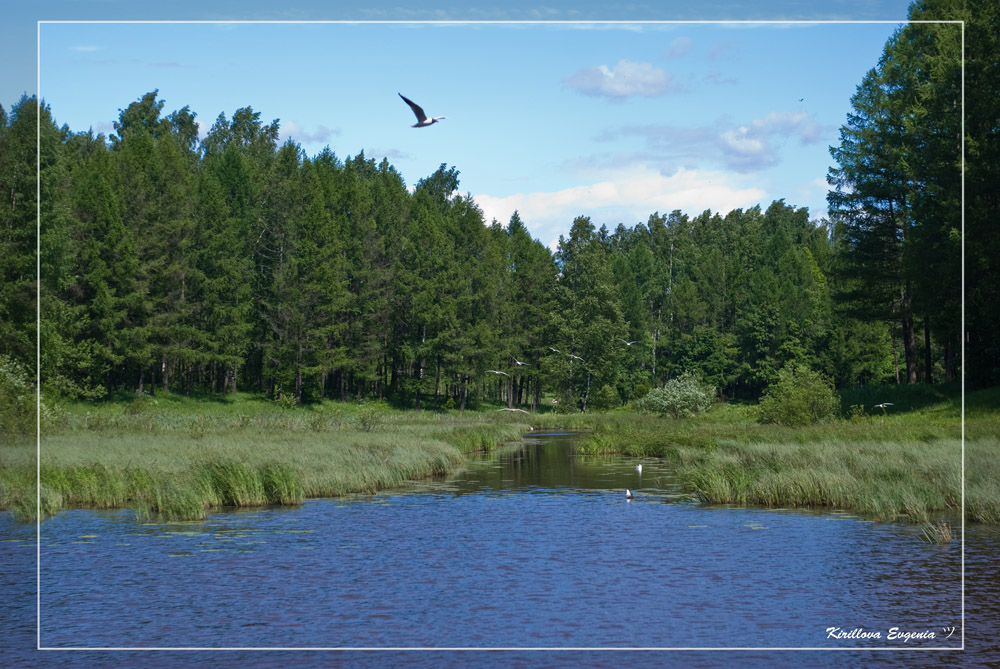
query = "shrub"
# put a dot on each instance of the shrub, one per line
(800, 396)
(17, 399)
(370, 417)
(683, 396)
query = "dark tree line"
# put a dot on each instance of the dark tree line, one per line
(170, 263)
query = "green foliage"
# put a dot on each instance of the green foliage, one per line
(17, 400)
(800, 396)
(370, 416)
(680, 397)
(234, 262)
(605, 398)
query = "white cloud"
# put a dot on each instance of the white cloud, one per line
(294, 131)
(742, 148)
(627, 79)
(679, 47)
(625, 196)
(755, 146)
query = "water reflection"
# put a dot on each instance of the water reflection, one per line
(545, 462)
(532, 547)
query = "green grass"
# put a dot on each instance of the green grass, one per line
(904, 465)
(180, 458)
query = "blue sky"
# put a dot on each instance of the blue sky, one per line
(614, 121)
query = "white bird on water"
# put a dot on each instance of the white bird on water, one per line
(638, 468)
(628, 494)
(422, 120)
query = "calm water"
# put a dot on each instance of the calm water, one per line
(533, 549)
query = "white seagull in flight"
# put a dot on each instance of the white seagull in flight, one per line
(422, 120)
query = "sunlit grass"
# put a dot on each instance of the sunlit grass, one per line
(886, 480)
(903, 465)
(181, 458)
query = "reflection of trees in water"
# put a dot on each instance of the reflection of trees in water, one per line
(545, 462)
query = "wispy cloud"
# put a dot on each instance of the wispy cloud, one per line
(721, 50)
(294, 131)
(742, 148)
(679, 48)
(755, 146)
(720, 79)
(627, 79)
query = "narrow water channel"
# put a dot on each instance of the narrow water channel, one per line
(533, 547)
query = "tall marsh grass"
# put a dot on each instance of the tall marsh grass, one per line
(179, 459)
(905, 465)
(886, 481)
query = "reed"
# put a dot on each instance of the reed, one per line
(939, 533)
(902, 466)
(179, 459)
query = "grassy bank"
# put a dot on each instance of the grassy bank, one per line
(904, 464)
(181, 458)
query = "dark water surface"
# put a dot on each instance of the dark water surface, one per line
(531, 549)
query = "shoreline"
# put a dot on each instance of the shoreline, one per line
(182, 458)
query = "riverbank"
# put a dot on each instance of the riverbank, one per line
(180, 458)
(900, 466)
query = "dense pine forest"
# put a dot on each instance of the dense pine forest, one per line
(173, 263)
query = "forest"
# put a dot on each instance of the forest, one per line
(173, 263)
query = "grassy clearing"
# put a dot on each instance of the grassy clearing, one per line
(181, 458)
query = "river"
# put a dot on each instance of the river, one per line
(533, 550)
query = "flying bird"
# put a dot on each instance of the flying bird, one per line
(519, 363)
(882, 406)
(521, 410)
(497, 371)
(628, 343)
(576, 357)
(554, 349)
(422, 120)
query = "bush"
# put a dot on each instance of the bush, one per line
(370, 417)
(683, 396)
(17, 399)
(800, 396)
